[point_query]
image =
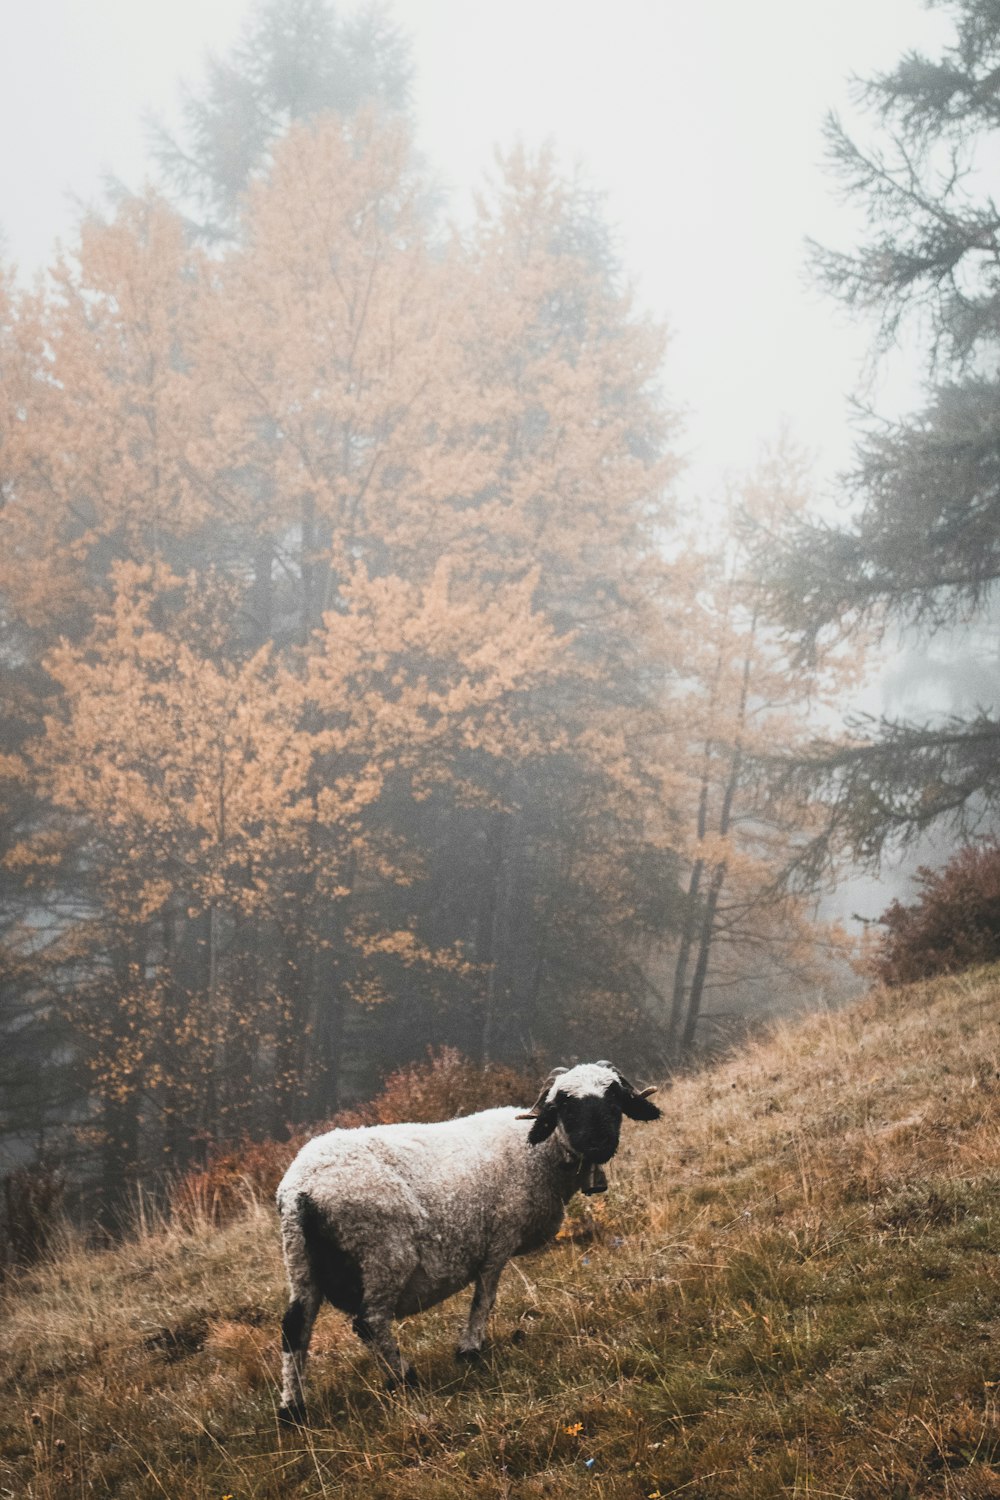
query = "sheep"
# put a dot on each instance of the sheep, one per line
(388, 1220)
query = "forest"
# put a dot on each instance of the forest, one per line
(367, 689)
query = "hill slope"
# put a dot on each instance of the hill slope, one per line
(792, 1289)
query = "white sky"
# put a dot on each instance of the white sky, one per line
(701, 122)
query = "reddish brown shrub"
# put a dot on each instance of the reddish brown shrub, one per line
(445, 1086)
(231, 1177)
(953, 924)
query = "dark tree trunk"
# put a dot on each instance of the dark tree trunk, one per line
(495, 931)
(328, 1009)
(704, 953)
(707, 932)
(683, 957)
(290, 1083)
(119, 1155)
(261, 601)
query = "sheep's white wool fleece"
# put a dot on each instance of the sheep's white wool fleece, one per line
(583, 1080)
(424, 1206)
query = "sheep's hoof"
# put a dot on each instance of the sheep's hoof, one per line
(470, 1356)
(293, 1415)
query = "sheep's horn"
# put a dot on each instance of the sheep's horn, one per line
(536, 1108)
(630, 1087)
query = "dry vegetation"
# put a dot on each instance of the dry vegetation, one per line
(791, 1289)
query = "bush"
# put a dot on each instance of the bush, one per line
(954, 923)
(231, 1178)
(442, 1088)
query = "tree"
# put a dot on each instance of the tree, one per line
(923, 549)
(336, 553)
(97, 471)
(209, 803)
(321, 348)
(748, 917)
(296, 59)
(576, 859)
(37, 1091)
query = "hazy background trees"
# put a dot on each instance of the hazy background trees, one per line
(365, 691)
(292, 63)
(921, 550)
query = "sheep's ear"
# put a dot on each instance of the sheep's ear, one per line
(639, 1107)
(544, 1125)
(545, 1114)
(636, 1104)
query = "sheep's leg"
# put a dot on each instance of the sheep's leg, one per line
(296, 1332)
(373, 1326)
(471, 1340)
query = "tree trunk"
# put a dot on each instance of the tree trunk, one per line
(291, 1084)
(704, 953)
(121, 1104)
(239, 1071)
(119, 1155)
(690, 909)
(261, 601)
(496, 933)
(328, 1010)
(719, 873)
(175, 1138)
(683, 957)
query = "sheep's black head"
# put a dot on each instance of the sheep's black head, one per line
(587, 1102)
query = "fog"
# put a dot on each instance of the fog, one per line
(400, 471)
(700, 124)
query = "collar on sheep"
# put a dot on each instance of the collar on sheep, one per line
(593, 1178)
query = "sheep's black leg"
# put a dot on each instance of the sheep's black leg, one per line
(373, 1325)
(471, 1341)
(296, 1332)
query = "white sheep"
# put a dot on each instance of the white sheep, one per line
(388, 1220)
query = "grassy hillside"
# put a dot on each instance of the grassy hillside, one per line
(792, 1289)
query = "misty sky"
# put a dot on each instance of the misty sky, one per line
(701, 123)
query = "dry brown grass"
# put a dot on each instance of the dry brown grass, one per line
(792, 1289)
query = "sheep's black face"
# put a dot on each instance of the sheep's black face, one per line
(587, 1103)
(591, 1124)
